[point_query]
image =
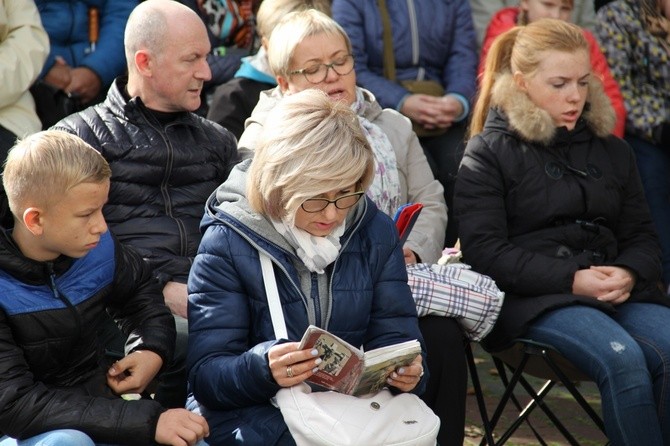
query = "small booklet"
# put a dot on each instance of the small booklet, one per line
(347, 369)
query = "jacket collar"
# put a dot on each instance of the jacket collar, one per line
(30, 271)
(134, 109)
(372, 109)
(535, 125)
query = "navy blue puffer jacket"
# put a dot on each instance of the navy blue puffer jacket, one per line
(370, 304)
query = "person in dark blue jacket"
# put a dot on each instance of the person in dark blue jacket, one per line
(337, 260)
(84, 58)
(432, 40)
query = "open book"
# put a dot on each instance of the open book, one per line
(347, 369)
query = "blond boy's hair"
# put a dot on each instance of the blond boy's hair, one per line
(45, 165)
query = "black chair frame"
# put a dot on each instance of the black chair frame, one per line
(536, 359)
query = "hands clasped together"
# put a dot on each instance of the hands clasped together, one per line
(80, 81)
(290, 366)
(611, 284)
(432, 112)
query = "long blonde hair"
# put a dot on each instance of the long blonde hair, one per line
(521, 49)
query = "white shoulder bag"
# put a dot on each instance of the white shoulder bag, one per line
(335, 419)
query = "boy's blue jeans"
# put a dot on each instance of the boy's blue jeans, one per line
(628, 356)
(61, 437)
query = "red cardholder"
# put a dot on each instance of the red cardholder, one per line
(405, 217)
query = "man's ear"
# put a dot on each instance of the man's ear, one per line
(143, 63)
(32, 219)
(520, 81)
(283, 83)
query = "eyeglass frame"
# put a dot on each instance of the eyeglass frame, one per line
(360, 194)
(328, 66)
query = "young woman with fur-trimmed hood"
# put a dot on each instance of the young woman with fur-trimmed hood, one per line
(550, 205)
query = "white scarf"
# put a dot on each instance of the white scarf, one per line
(314, 251)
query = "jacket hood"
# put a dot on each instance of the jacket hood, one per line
(228, 205)
(534, 124)
(372, 108)
(504, 19)
(248, 69)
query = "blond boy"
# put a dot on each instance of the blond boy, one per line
(60, 273)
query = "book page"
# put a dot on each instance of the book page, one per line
(390, 351)
(379, 363)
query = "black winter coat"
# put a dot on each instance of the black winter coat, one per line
(234, 101)
(162, 175)
(534, 206)
(52, 362)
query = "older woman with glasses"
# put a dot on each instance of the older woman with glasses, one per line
(336, 258)
(309, 50)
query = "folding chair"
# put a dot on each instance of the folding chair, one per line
(535, 359)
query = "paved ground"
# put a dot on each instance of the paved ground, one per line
(559, 400)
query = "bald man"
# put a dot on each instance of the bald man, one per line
(165, 159)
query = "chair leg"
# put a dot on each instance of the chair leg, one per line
(481, 404)
(537, 398)
(538, 401)
(517, 377)
(574, 392)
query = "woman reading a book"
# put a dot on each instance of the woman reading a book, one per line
(336, 258)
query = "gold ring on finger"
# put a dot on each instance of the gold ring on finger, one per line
(289, 372)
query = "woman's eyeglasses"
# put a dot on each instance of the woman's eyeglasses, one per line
(313, 205)
(317, 73)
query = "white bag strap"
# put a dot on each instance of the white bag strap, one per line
(272, 293)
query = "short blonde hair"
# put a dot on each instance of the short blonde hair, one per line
(310, 145)
(272, 11)
(292, 30)
(47, 164)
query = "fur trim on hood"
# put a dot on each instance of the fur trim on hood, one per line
(535, 124)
